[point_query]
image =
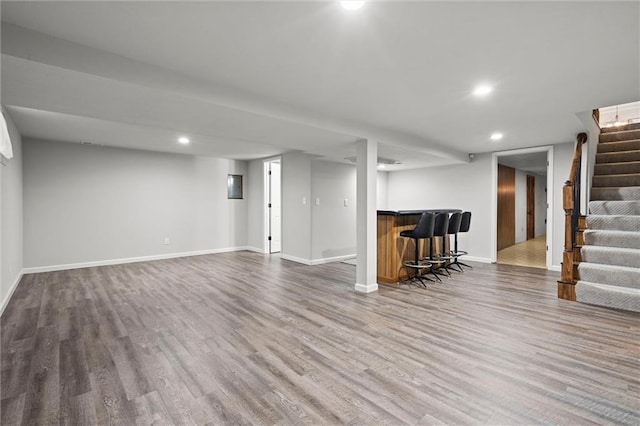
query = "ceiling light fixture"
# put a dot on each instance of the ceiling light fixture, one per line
(496, 136)
(183, 140)
(616, 121)
(352, 5)
(482, 90)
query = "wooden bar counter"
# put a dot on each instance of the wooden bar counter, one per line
(394, 249)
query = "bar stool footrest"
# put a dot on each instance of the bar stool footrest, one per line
(412, 264)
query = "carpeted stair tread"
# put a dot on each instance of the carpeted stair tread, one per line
(628, 145)
(624, 135)
(606, 238)
(616, 297)
(617, 168)
(605, 207)
(617, 157)
(629, 223)
(614, 275)
(630, 179)
(630, 193)
(611, 255)
(609, 270)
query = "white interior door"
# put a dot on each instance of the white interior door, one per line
(275, 208)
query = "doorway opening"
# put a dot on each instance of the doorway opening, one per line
(273, 204)
(523, 196)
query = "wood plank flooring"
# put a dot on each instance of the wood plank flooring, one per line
(531, 253)
(241, 338)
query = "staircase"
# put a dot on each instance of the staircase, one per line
(609, 273)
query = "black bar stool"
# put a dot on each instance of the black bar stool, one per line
(424, 229)
(454, 226)
(465, 224)
(440, 229)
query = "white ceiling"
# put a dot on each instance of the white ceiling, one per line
(253, 79)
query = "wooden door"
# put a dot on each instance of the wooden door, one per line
(506, 206)
(531, 207)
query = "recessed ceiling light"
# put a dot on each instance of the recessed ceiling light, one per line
(482, 90)
(183, 140)
(352, 5)
(381, 166)
(496, 136)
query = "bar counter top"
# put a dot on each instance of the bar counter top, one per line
(415, 212)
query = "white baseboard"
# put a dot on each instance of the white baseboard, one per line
(556, 268)
(295, 259)
(12, 289)
(332, 259)
(52, 268)
(316, 261)
(476, 259)
(255, 249)
(366, 288)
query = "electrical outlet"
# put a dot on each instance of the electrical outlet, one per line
(166, 241)
(317, 201)
(346, 202)
(304, 201)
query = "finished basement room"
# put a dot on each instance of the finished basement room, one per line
(323, 212)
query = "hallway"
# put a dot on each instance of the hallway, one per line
(531, 253)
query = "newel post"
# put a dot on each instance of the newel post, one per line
(568, 275)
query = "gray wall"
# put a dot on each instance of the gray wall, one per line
(86, 204)
(382, 196)
(333, 225)
(255, 206)
(11, 211)
(296, 216)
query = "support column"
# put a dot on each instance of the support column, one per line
(366, 215)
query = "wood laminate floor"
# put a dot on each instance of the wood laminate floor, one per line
(243, 338)
(531, 253)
